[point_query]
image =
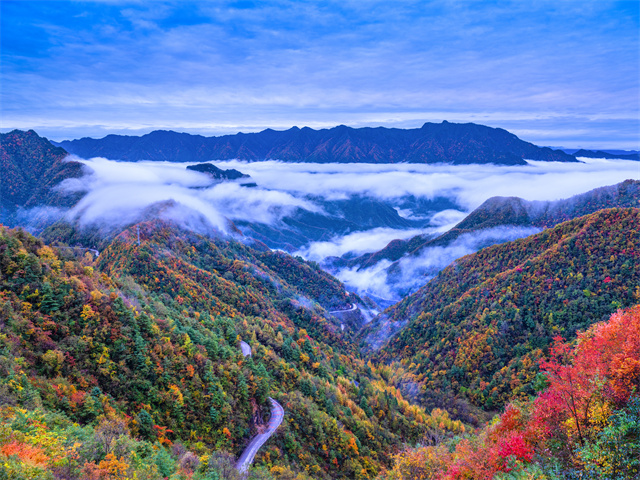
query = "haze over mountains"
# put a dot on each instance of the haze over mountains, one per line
(433, 143)
(406, 264)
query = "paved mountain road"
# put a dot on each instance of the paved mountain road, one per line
(277, 414)
(351, 309)
(246, 349)
(246, 459)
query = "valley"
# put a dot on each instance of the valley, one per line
(335, 240)
(329, 320)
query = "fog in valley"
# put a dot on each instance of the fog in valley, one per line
(332, 210)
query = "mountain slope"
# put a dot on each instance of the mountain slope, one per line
(433, 143)
(155, 328)
(585, 423)
(476, 330)
(31, 169)
(411, 263)
(513, 211)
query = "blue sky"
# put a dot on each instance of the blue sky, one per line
(556, 72)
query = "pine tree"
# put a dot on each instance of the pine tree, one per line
(50, 301)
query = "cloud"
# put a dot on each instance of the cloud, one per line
(357, 243)
(415, 271)
(393, 281)
(468, 185)
(119, 193)
(370, 281)
(447, 218)
(85, 68)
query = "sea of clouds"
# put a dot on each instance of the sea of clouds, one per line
(120, 193)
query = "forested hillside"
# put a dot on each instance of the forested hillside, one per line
(508, 212)
(477, 330)
(584, 424)
(131, 366)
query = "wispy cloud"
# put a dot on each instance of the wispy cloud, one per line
(96, 67)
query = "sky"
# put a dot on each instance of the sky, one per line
(558, 73)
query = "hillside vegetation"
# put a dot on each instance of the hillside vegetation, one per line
(476, 331)
(132, 366)
(31, 169)
(584, 424)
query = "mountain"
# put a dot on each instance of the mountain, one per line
(474, 333)
(504, 214)
(337, 217)
(583, 422)
(217, 173)
(131, 364)
(608, 155)
(32, 168)
(433, 143)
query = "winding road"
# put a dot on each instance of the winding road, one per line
(92, 250)
(350, 309)
(246, 459)
(277, 414)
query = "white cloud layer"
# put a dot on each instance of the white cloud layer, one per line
(118, 193)
(412, 272)
(357, 242)
(468, 185)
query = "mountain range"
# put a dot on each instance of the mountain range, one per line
(621, 155)
(433, 143)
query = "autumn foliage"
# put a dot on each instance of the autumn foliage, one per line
(476, 332)
(586, 424)
(136, 359)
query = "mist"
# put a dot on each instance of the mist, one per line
(358, 243)
(117, 194)
(120, 193)
(393, 280)
(467, 185)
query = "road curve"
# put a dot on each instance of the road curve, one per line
(92, 250)
(246, 459)
(350, 309)
(277, 414)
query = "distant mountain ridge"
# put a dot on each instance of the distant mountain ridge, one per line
(607, 155)
(444, 142)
